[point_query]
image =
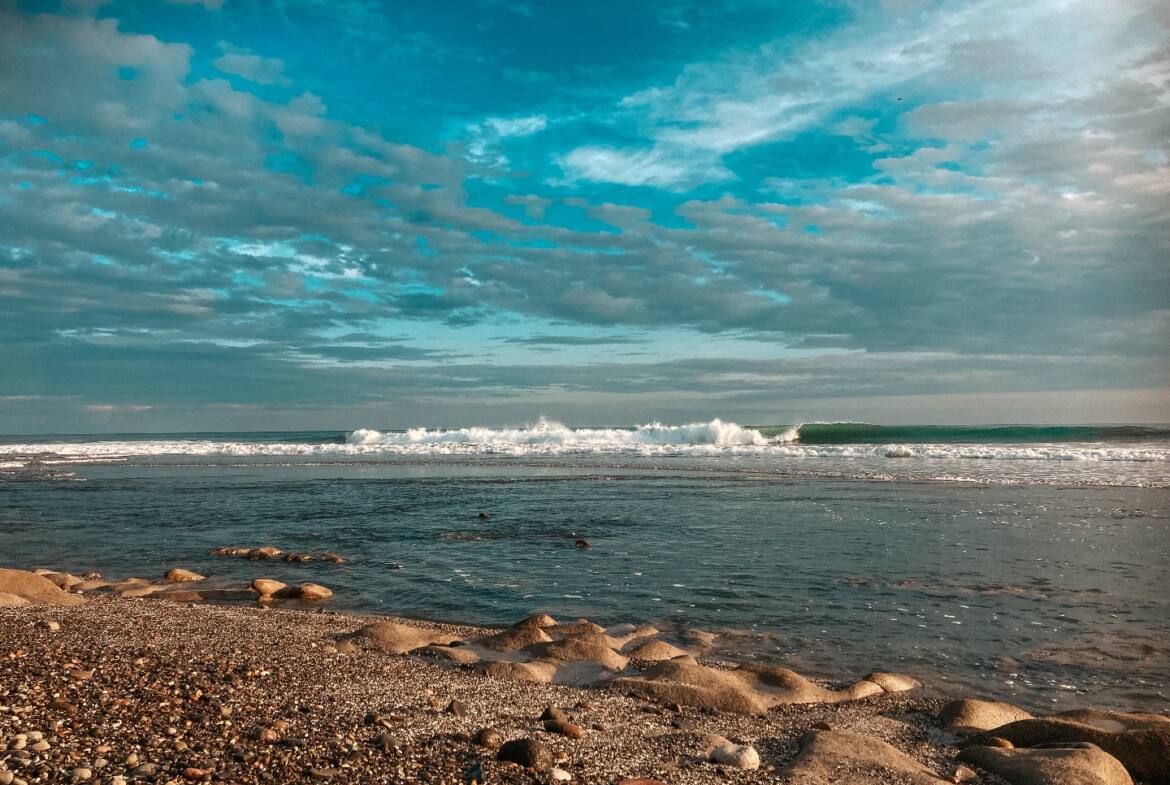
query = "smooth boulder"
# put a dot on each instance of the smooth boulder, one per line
(1089, 765)
(399, 638)
(36, 589)
(835, 758)
(969, 715)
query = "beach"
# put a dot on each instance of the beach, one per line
(167, 688)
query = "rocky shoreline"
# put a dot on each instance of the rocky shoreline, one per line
(113, 685)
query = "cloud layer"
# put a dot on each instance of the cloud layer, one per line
(933, 199)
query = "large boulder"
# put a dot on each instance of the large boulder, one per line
(36, 589)
(399, 638)
(1142, 745)
(834, 758)
(969, 715)
(11, 600)
(179, 575)
(1088, 765)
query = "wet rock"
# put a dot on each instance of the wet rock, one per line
(582, 543)
(263, 552)
(740, 756)
(852, 759)
(527, 752)
(483, 516)
(332, 558)
(968, 715)
(266, 587)
(1082, 766)
(233, 550)
(35, 589)
(62, 580)
(313, 592)
(179, 575)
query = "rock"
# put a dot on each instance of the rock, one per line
(483, 516)
(749, 689)
(1082, 766)
(35, 589)
(234, 550)
(180, 596)
(313, 592)
(552, 713)
(1143, 748)
(640, 781)
(538, 671)
(266, 587)
(460, 655)
(537, 620)
(63, 706)
(588, 647)
(527, 752)
(386, 742)
(582, 543)
(297, 558)
(565, 728)
(264, 552)
(267, 735)
(655, 651)
(62, 580)
(399, 638)
(851, 759)
(962, 774)
(513, 639)
(179, 575)
(893, 682)
(144, 770)
(6, 777)
(8, 600)
(740, 756)
(40, 746)
(323, 774)
(81, 774)
(332, 558)
(968, 715)
(457, 708)
(559, 775)
(193, 773)
(489, 737)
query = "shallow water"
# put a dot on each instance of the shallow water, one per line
(1050, 596)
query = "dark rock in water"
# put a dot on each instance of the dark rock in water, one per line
(394, 566)
(583, 543)
(485, 515)
(332, 558)
(457, 708)
(527, 752)
(489, 737)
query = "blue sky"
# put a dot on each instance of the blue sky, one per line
(241, 214)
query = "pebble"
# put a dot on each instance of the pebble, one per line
(553, 713)
(741, 756)
(527, 752)
(6, 777)
(565, 728)
(40, 746)
(145, 770)
(81, 774)
(323, 774)
(489, 737)
(49, 624)
(559, 775)
(457, 708)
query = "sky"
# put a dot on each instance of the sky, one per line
(302, 214)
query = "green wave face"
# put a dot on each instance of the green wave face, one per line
(864, 433)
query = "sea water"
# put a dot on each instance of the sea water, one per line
(1028, 564)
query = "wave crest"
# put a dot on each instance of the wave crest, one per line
(715, 433)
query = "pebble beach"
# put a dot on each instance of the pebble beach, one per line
(98, 687)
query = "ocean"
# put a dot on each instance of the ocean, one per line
(1026, 563)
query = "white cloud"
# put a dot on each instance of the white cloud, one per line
(250, 66)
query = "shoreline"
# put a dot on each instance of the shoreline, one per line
(215, 692)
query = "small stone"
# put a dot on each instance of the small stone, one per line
(81, 675)
(553, 713)
(263, 552)
(583, 543)
(962, 774)
(323, 774)
(527, 752)
(386, 741)
(996, 741)
(489, 737)
(6, 777)
(192, 773)
(81, 774)
(483, 516)
(267, 735)
(457, 708)
(40, 746)
(118, 780)
(559, 775)
(18, 742)
(63, 706)
(740, 756)
(145, 770)
(49, 624)
(565, 728)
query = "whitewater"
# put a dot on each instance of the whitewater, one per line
(1121, 456)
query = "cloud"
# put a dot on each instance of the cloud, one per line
(253, 67)
(210, 5)
(488, 137)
